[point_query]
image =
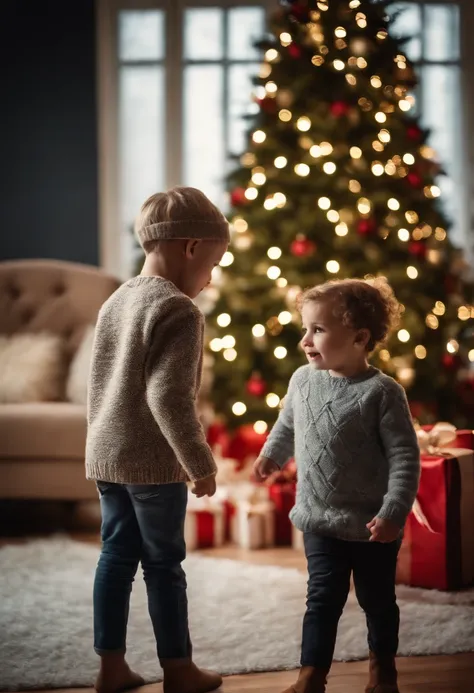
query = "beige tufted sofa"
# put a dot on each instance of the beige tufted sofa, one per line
(42, 443)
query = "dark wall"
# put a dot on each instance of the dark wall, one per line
(48, 197)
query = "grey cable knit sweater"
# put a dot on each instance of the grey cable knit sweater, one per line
(143, 426)
(355, 447)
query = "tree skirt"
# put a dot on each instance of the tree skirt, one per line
(244, 618)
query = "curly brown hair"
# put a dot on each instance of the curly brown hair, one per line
(368, 304)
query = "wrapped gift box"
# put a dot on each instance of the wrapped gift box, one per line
(204, 526)
(253, 525)
(283, 497)
(438, 546)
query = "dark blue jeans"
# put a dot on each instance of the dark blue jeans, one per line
(142, 524)
(330, 563)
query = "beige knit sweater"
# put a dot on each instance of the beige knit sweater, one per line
(143, 426)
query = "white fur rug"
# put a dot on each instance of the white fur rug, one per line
(243, 617)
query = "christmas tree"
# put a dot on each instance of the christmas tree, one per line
(338, 181)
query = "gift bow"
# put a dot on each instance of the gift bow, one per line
(432, 442)
(438, 439)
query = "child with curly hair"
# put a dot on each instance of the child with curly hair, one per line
(349, 427)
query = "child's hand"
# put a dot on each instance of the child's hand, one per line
(264, 467)
(205, 487)
(384, 531)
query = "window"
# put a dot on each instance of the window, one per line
(434, 45)
(183, 73)
(175, 82)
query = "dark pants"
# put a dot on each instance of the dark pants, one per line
(330, 563)
(142, 524)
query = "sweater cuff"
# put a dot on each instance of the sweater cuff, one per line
(201, 466)
(273, 452)
(394, 512)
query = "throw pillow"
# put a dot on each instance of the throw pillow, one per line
(32, 368)
(76, 389)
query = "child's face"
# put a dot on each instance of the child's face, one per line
(327, 343)
(201, 258)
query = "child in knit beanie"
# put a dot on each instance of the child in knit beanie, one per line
(358, 464)
(145, 440)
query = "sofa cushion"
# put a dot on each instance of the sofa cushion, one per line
(42, 430)
(32, 368)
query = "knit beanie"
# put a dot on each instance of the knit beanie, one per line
(185, 229)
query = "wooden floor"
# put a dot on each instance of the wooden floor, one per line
(448, 674)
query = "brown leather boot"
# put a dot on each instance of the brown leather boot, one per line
(383, 675)
(183, 676)
(310, 680)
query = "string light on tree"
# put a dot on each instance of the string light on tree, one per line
(324, 203)
(403, 335)
(273, 272)
(259, 136)
(280, 352)
(303, 124)
(272, 400)
(280, 162)
(380, 117)
(271, 55)
(239, 408)
(404, 235)
(230, 354)
(285, 39)
(285, 115)
(329, 168)
(412, 272)
(227, 259)
(251, 193)
(260, 427)
(420, 352)
(285, 317)
(342, 229)
(258, 330)
(452, 346)
(215, 344)
(333, 266)
(274, 253)
(224, 320)
(302, 170)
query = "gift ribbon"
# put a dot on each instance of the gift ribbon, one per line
(432, 442)
(436, 441)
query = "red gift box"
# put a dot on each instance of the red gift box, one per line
(438, 547)
(283, 497)
(204, 526)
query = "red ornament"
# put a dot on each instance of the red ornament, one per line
(268, 105)
(414, 133)
(245, 445)
(256, 386)
(417, 248)
(300, 12)
(237, 197)
(218, 436)
(294, 51)
(302, 247)
(339, 109)
(366, 227)
(451, 362)
(415, 180)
